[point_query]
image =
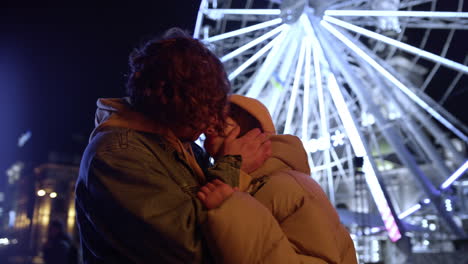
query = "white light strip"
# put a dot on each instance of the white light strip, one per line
(345, 117)
(393, 80)
(409, 211)
(271, 62)
(307, 26)
(196, 32)
(295, 88)
(455, 175)
(243, 11)
(380, 200)
(360, 151)
(305, 111)
(431, 56)
(320, 95)
(318, 55)
(315, 169)
(317, 51)
(252, 43)
(257, 55)
(245, 30)
(387, 13)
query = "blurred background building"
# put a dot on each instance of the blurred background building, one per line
(34, 196)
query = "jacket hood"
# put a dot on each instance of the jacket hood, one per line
(117, 112)
(287, 153)
(287, 150)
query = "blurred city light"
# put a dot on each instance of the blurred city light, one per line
(4, 241)
(41, 193)
(409, 211)
(53, 195)
(448, 205)
(24, 138)
(455, 175)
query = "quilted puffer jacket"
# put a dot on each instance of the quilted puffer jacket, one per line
(287, 219)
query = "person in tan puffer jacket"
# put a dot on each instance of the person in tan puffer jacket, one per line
(280, 214)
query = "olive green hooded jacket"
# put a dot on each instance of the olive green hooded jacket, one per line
(136, 195)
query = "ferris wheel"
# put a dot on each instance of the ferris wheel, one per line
(351, 78)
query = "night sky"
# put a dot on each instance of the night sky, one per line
(55, 63)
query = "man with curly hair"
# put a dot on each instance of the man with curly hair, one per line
(139, 176)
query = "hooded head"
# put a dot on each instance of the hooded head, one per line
(249, 113)
(245, 112)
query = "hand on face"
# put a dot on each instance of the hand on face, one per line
(254, 146)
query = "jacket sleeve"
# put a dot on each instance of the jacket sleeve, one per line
(243, 231)
(227, 169)
(302, 208)
(138, 207)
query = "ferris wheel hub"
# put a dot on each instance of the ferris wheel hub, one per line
(291, 10)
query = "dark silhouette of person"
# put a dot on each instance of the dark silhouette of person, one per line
(59, 248)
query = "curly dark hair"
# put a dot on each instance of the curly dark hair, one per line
(176, 81)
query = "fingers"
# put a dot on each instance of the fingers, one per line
(214, 193)
(215, 186)
(210, 186)
(266, 150)
(233, 134)
(217, 182)
(262, 139)
(258, 153)
(266, 147)
(201, 196)
(252, 134)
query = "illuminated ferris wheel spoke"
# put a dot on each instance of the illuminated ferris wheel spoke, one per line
(452, 84)
(295, 88)
(402, 152)
(279, 79)
(384, 13)
(438, 59)
(270, 63)
(436, 67)
(320, 61)
(428, 100)
(360, 150)
(220, 12)
(258, 54)
(252, 43)
(425, 38)
(199, 21)
(245, 30)
(413, 3)
(351, 131)
(395, 81)
(306, 97)
(317, 53)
